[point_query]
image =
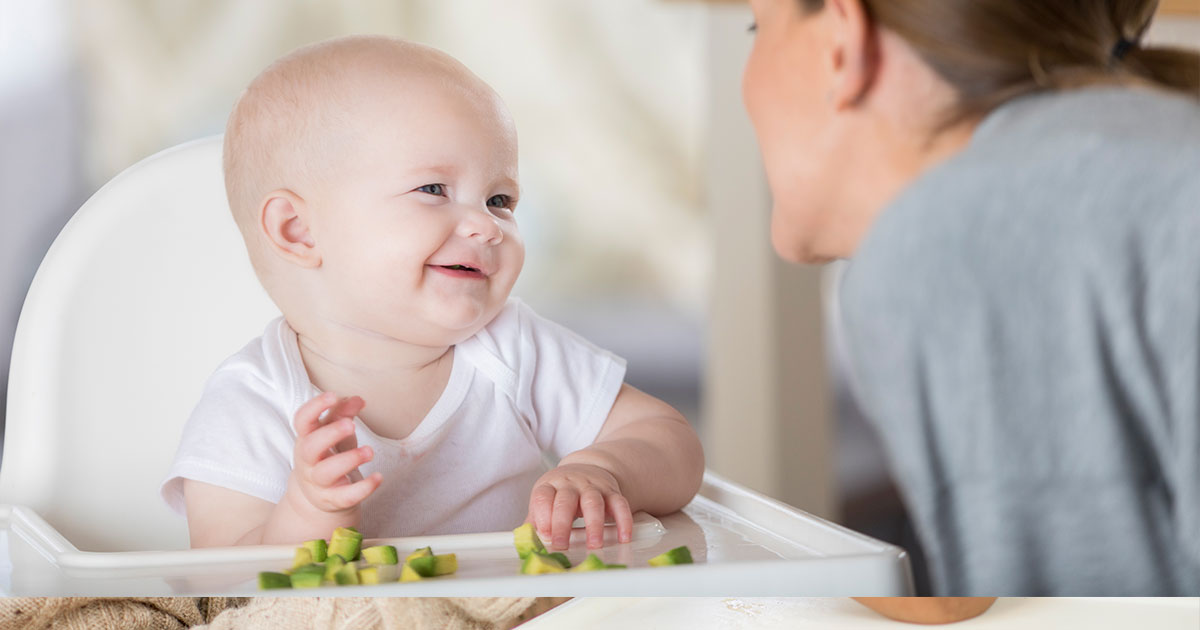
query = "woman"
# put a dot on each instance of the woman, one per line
(1017, 185)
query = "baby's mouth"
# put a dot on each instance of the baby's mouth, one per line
(459, 268)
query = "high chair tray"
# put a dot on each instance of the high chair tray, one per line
(743, 544)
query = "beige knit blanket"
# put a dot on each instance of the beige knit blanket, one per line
(269, 613)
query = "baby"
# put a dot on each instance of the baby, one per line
(403, 391)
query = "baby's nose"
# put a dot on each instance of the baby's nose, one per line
(481, 225)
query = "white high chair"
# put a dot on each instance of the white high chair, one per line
(141, 296)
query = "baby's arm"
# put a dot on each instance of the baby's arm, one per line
(319, 497)
(645, 458)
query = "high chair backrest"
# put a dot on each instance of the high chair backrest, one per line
(144, 292)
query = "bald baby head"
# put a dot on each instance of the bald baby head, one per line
(299, 121)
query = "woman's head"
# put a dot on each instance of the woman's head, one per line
(851, 99)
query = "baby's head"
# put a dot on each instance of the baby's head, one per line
(374, 181)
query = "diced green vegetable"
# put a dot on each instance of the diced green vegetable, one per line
(346, 542)
(537, 564)
(678, 555)
(591, 563)
(380, 554)
(445, 564)
(318, 549)
(270, 579)
(526, 540)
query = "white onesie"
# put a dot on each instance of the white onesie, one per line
(521, 386)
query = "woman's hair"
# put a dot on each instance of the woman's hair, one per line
(990, 51)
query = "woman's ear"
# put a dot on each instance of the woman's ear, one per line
(283, 220)
(854, 55)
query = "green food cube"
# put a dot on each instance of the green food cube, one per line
(561, 558)
(333, 564)
(678, 555)
(423, 551)
(303, 556)
(306, 579)
(408, 574)
(347, 574)
(270, 579)
(526, 540)
(368, 575)
(318, 549)
(536, 564)
(346, 542)
(380, 554)
(591, 563)
(445, 564)
(423, 565)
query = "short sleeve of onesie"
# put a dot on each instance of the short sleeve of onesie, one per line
(239, 436)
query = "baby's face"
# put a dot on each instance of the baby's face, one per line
(416, 231)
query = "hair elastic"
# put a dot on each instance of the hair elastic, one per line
(1121, 48)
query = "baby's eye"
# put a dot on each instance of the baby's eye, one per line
(433, 189)
(499, 201)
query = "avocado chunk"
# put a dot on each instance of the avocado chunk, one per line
(368, 575)
(380, 554)
(346, 542)
(615, 566)
(537, 564)
(526, 540)
(317, 548)
(561, 558)
(346, 574)
(271, 579)
(678, 555)
(303, 556)
(423, 565)
(333, 564)
(408, 574)
(423, 551)
(307, 579)
(591, 563)
(445, 564)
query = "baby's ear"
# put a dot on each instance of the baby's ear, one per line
(283, 222)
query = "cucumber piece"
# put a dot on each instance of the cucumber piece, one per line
(445, 564)
(318, 549)
(526, 540)
(346, 542)
(270, 579)
(380, 554)
(591, 563)
(537, 564)
(678, 555)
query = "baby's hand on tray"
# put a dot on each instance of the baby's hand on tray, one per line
(572, 490)
(327, 456)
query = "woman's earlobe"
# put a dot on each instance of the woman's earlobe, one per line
(285, 226)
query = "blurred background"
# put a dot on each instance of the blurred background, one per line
(644, 207)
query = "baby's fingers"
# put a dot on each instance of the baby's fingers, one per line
(591, 503)
(308, 416)
(348, 496)
(541, 505)
(316, 445)
(618, 508)
(334, 469)
(566, 506)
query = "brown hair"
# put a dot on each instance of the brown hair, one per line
(990, 51)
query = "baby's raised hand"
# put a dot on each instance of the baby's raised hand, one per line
(327, 456)
(572, 490)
